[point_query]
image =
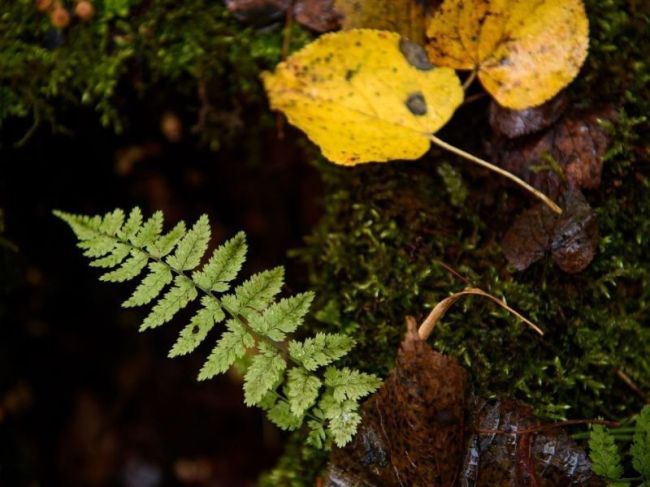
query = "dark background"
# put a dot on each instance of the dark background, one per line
(84, 398)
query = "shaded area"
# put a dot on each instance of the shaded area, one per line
(84, 398)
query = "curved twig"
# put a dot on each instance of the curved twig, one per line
(427, 326)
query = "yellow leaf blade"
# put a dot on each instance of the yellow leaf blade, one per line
(540, 51)
(357, 96)
(525, 51)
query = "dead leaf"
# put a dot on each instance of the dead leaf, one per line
(258, 12)
(509, 447)
(577, 143)
(414, 433)
(515, 123)
(359, 98)
(406, 17)
(572, 238)
(318, 15)
(524, 52)
(413, 427)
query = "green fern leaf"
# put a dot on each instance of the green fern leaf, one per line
(112, 222)
(132, 225)
(604, 455)
(231, 346)
(283, 317)
(179, 295)
(350, 384)
(84, 227)
(323, 349)
(159, 276)
(301, 389)
(115, 257)
(129, 269)
(640, 449)
(263, 375)
(203, 321)
(149, 232)
(223, 266)
(192, 246)
(344, 419)
(256, 292)
(317, 435)
(280, 414)
(162, 246)
(98, 246)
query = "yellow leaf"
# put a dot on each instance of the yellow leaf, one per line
(525, 51)
(357, 96)
(406, 17)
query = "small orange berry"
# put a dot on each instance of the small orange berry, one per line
(84, 10)
(60, 17)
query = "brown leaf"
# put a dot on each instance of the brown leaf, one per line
(413, 427)
(414, 433)
(571, 238)
(499, 456)
(577, 142)
(515, 123)
(317, 15)
(258, 12)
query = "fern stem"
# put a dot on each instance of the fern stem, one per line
(279, 346)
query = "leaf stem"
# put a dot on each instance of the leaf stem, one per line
(470, 79)
(466, 155)
(427, 326)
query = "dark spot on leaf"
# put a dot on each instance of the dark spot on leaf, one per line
(415, 55)
(416, 104)
(195, 329)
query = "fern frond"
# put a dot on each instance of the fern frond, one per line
(301, 389)
(231, 346)
(179, 295)
(256, 293)
(195, 332)
(350, 384)
(280, 415)
(640, 449)
(132, 225)
(323, 349)
(129, 269)
(162, 246)
(263, 375)
(192, 246)
(159, 276)
(283, 317)
(604, 455)
(343, 418)
(257, 324)
(149, 231)
(223, 266)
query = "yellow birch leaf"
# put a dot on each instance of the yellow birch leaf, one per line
(406, 17)
(525, 51)
(358, 97)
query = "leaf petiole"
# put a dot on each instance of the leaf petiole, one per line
(466, 155)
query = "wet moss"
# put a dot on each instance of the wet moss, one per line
(375, 257)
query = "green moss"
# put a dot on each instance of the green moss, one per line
(375, 257)
(131, 45)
